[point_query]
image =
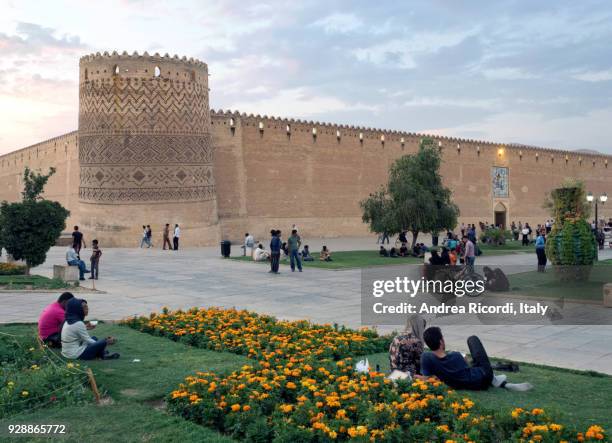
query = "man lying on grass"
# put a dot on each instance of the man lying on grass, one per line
(453, 369)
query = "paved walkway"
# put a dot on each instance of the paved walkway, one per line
(139, 281)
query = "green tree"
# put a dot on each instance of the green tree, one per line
(414, 199)
(571, 245)
(29, 228)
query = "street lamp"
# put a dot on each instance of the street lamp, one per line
(603, 198)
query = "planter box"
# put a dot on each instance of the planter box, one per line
(66, 273)
(607, 295)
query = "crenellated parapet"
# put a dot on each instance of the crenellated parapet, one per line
(451, 145)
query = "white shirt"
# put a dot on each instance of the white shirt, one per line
(249, 241)
(71, 255)
(177, 232)
(75, 339)
(260, 254)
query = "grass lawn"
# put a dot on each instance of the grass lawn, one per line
(349, 259)
(135, 388)
(30, 282)
(576, 397)
(538, 284)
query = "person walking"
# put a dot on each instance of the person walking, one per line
(96, 253)
(149, 234)
(176, 237)
(540, 250)
(469, 254)
(275, 251)
(143, 240)
(294, 242)
(166, 236)
(77, 240)
(249, 243)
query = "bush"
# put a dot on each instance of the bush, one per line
(495, 236)
(32, 376)
(12, 269)
(571, 246)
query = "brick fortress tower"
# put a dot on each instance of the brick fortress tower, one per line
(145, 149)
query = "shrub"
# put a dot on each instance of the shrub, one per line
(571, 245)
(32, 376)
(495, 236)
(12, 269)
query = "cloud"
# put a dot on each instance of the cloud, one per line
(537, 129)
(508, 74)
(402, 53)
(31, 38)
(338, 23)
(443, 102)
(299, 102)
(594, 76)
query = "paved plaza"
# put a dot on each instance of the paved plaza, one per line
(140, 281)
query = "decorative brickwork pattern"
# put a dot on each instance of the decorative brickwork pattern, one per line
(144, 130)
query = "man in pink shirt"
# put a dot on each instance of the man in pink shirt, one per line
(51, 320)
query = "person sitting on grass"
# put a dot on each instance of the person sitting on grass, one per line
(453, 369)
(73, 260)
(452, 257)
(403, 250)
(51, 320)
(260, 254)
(306, 254)
(445, 257)
(393, 253)
(383, 251)
(406, 348)
(76, 342)
(435, 258)
(325, 254)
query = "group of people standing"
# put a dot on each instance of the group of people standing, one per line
(147, 237)
(278, 248)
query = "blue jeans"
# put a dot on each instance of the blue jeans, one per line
(81, 265)
(295, 257)
(94, 350)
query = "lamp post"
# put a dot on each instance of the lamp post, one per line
(602, 198)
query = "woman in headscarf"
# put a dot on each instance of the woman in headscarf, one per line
(76, 342)
(406, 349)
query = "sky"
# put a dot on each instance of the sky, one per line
(537, 73)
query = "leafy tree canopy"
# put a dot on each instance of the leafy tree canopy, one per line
(414, 199)
(29, 228)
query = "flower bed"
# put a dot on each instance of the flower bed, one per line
(302, 387)
(32, 377)
(12, 269)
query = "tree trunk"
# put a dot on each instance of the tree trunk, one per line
(415, 234)
(27, 270)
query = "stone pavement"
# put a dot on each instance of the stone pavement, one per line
(139, 281)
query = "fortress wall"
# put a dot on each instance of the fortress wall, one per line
(318, 182)
(270, 179)
(59, 152)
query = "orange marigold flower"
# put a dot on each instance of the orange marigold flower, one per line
(235, 407)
